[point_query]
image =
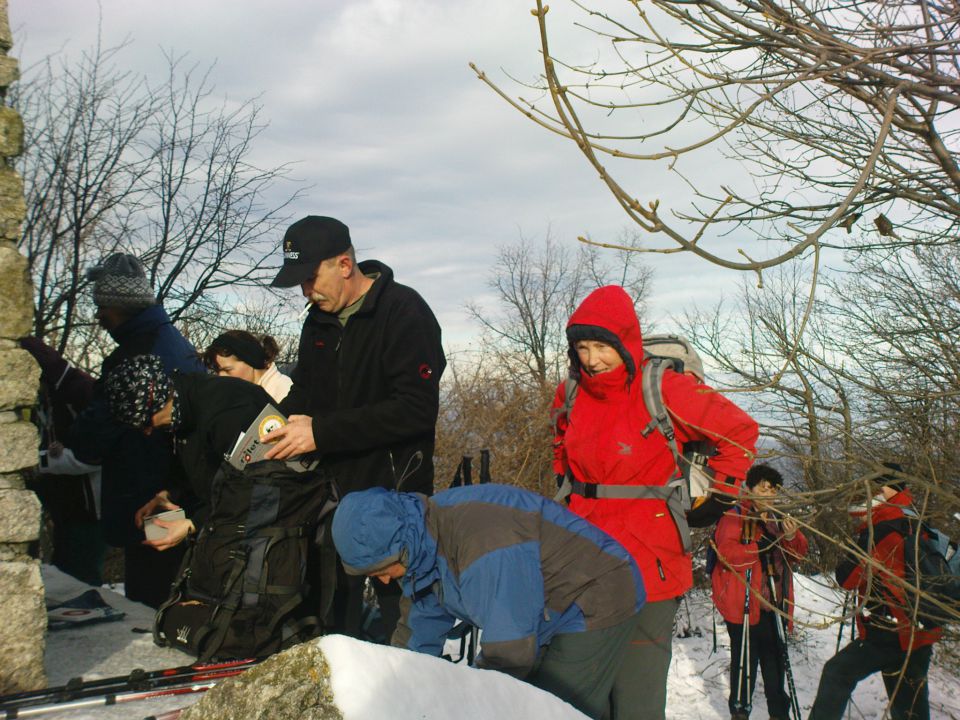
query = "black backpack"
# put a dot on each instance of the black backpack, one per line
(932, 565)
(244, 588)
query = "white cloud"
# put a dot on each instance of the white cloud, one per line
(373, 102)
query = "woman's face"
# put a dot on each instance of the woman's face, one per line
(232, 366)
(597, 357)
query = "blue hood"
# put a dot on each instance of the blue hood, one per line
(377, 527)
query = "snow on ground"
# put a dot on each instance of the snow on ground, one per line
(373, 682)
(699, 681)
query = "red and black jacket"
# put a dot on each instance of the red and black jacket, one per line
(885, 604)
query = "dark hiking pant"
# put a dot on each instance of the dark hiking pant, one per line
(763, 644)
(862, 658)
(640, 691)
(584, 668)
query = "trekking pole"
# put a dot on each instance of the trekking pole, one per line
(744, 647)
(484, 466)
(782, 635)
(843, 621)
(115, 699)
(136, 680)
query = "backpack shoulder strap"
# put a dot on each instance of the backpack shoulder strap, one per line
(570, 387)
(651, 386)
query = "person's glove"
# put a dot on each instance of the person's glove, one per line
(765, 543)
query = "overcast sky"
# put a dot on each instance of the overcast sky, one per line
(373, 102)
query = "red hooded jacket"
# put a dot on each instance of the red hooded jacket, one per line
(888, 600)
(601, 442)
(737, 549)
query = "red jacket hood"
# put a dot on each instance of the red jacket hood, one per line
(610, 308)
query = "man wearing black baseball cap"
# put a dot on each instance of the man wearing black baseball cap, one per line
(366, 387)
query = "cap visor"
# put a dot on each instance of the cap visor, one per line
(292, 274)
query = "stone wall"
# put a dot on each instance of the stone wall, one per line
(23, 617)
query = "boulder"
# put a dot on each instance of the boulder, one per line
(21, 633)
(340, 678)
(294, 684)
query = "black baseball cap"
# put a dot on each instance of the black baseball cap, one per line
(306, 244)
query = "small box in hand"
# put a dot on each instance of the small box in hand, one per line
(154, 531)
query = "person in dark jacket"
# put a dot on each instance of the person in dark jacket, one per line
(68, 488)
(889, 640)
(605, 440)
(205, 415)
(751, 537)
(555, 598)
(134, 466)
(365, 393)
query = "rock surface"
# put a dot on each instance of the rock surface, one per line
(293, 684)
(24, 622)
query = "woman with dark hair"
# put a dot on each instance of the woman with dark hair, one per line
(239, 354)
(201, 414)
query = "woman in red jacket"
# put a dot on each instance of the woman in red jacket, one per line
(604, 439)
(751, 538)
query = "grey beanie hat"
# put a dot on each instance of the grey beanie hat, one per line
(120, 281)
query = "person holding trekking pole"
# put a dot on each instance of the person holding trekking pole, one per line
(755, 546)
(776, 597)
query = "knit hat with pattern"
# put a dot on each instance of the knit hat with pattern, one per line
(120, 281)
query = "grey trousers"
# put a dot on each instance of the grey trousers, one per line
(583, 668)
(640, 690)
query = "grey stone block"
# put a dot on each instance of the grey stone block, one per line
(13, 208)
(19, 380)
(16, 552)
(23, 627)
(12, 481)
(19, 516)
(16, 297)
(11, 132)
(9, 71)
(18, 446)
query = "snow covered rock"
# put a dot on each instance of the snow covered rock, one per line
(339, 678)
(294, 684)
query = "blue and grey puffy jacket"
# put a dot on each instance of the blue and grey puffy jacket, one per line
(506, 560)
